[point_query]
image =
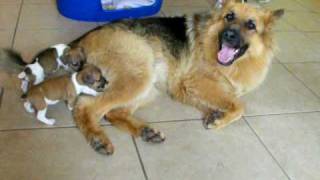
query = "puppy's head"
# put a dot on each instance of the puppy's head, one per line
(92, 77)
(74, 58)
(240, 30)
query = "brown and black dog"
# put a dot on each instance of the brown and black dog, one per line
(207, 60)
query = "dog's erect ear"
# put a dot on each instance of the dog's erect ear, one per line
(277, 14)
(272, 16)
(222, 3)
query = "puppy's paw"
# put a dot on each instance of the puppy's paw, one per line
(102, 147)
(212, 119)
(70, 107)
(151, 135)
(49, 121)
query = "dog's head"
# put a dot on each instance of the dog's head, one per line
(240, 30)
(92, 77)
(74, 58)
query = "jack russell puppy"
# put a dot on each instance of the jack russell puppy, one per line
(49, 61)
(89, 81)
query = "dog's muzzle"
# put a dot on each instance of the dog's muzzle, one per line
(231, 46)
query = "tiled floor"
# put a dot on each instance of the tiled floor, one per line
(278, 139)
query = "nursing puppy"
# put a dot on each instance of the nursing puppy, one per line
(49, 61)
(88, 81)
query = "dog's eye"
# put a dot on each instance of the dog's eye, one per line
(230, 16)
(251, 25)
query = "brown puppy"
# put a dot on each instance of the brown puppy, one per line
(49, 61)
(206, 60)
(87, 81)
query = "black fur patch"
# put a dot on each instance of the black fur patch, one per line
(172, 30)
(28, 71)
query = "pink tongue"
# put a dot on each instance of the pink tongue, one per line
(226, 54)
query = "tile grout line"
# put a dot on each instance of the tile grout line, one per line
(140, 159)
(303, 62)
(267, 149)
(303, 83)
(17, 24)
(285, 113)
(1, 95)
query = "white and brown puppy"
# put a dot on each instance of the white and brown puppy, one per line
(89, 81)
(49, 61)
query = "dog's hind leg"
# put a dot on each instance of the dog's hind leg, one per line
(91, 127)
(123, 91)
(123, 119)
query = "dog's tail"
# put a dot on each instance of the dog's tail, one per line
(11, 55)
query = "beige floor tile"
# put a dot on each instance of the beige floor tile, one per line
(296, 47)
(39, 1)
(283, 25)
(309, 73)
(63, 154)
(165, 109)
(285, 4)
(304, 21)
(280, 93)
(29, 42)
(191, 152)
(294, 142)
(10, 2)
(315, 37)
(6, 38)
(46, 16)
(313, 5)
(8, 16)
(183, 10)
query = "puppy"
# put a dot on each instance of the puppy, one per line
(49, 61)
(88, 81)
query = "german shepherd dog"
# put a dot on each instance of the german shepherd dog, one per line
(207, 60)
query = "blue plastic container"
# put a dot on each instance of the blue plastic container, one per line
(91, 10)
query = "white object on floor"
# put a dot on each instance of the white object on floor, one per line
(125, 4)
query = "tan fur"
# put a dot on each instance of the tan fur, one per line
(130, 61)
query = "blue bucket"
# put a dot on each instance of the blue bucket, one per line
(91, 10)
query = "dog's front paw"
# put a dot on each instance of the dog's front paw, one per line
(212, 119)
(151, 135)
(101, 146)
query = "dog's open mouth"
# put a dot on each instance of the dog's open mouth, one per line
(228, 54)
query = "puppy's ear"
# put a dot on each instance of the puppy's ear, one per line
(66, 51)
(82, 53)
(88, 79)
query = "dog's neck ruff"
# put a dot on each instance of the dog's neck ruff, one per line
(82, 88)
(60, 49)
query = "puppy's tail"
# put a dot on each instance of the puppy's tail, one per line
(11, 56)
(24, 96)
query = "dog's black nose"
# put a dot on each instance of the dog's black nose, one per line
(231, 36)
